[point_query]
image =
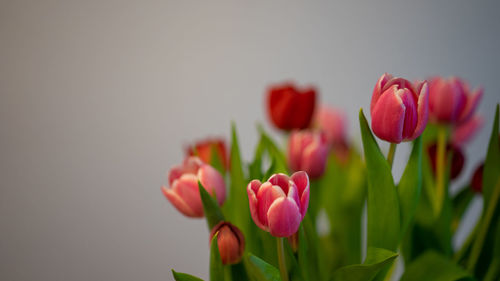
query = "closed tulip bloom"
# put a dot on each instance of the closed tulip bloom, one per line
(308, 151)
(279, 205)
(451, 101)
(399, 109)
(205, 147)
(184, 193)
(290, 107)
(332, 123)
(231, 242)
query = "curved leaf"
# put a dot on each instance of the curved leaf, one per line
(179, 276)
(383, 204)
(211, 209)
(260, 270)
(432, 266)
(376, 260)
(216, 267)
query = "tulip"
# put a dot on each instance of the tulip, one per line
(332, 123)
(308, 151)
(464, 132)
(477, 179)
(451, 101)
(399, 109)
(279, 205)
(290, 107)
(184, 193)
(457, 158)
(204, 149)
(230, 240)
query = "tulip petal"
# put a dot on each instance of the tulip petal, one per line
(471, 105)
(388, 116)
(284, 217)
(377, 91)
(174, 173)
(267, 194)
(212, 180)
(314, 158)
(422, 110)
(280, 101)
(301, 179)
(465, 131)
(280, 180)
(294, 151)
(179, 203)
(446, 99)
(252, 189)
(303, 109)
(186, 187)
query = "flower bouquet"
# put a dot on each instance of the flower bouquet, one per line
(296, 213)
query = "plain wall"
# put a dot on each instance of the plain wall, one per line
(99, 98)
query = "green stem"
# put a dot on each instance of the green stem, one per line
(483, 229)
(440, 167)
(392, 152)
(281, 258)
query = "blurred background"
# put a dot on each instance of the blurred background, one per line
(99, 98)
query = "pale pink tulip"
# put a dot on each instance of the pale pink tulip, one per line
(399, 109)
(451, 101)
(184, 193)
(279, 205)
(308, 151)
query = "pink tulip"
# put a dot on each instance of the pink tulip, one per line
(308, 151)
(184, 193)
(464, 132)
(332, 123)
(451, 101)
(279, 205)
(399, 109)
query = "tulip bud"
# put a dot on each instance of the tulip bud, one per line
(183, 180)
(230, 240)
(290, 107)
(279, 205)
(451, 101)
(308, 151)
(399, 109)
(477, 179)
(457, 158)
(204, 149)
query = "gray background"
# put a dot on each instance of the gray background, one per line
(98, 99)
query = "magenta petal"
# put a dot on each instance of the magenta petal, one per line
(252, 189)
(388, 116)
(422, 111)
(267, 194)
(471, 105)
(212, 180)
(280, 180)
(377, 91)
(302, 181)
(465, 131)
(284, 217)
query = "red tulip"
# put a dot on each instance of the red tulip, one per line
(279, 205)
(451, 101)
(290, 107)
(308, 151)
(399, 109)
(457, 158)
(184, 193)
(231, 242)
(204, 149)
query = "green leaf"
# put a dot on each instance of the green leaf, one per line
(410, 185)
(383, 226)
(305, 262)
(461, 202)
(216, 267)
(492, 164)
(376, 260)
(215, 160)
(260, 270)
(274, 152)
(211, 209)
(179, 276)
(432, 266)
